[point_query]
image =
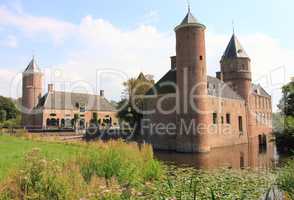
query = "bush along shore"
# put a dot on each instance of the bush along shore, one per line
(116, 170)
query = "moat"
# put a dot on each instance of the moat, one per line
(252, 155)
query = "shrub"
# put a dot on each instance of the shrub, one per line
(37, 179)
(285, 178)
(152, 170)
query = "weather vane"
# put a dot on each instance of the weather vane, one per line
(33, 54)
(233, 26)
(188, 4)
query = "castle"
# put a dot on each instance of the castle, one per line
(188, 111)
(57, 110)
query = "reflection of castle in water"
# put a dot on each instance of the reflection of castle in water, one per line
(253, 155)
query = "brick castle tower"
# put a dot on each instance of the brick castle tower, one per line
(31, 91)
(236, 71)
(236, 68)
(191, 81)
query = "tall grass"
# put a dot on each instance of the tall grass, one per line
(100, 171)
(116, 170)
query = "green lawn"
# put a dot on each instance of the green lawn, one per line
(12, 151)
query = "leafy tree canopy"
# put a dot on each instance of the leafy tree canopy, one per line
(131, 105)
(8, 109)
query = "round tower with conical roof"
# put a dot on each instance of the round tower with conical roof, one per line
(192, 86)
(236, 68)
(31, 91)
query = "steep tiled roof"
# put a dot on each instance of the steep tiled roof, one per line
(32, 67)
(165, 84)
(67, 100)
(235, 49)
(258, 90)
(216, 87)
(189, 20)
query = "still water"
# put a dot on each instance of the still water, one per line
(251, 155)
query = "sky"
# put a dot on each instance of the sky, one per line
(97, 44)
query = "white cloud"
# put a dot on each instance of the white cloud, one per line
(106, 46)
(7, 78)
(10, 41)
(33, 25)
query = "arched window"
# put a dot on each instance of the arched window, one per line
(53, 122)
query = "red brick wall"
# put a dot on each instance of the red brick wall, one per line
(260, 111)
(191, 80)
(224, 134)
(164, 139)
(31, 93)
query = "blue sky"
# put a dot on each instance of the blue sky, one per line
(77, 38)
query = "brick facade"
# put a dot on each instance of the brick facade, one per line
(57, 110)
(229, 110)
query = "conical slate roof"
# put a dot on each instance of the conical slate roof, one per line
(189, 20)
(32, 67)
(235, 49)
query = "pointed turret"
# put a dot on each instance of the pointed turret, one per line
(32, 67)
(189, 20)
(236, 68)
(235, 49)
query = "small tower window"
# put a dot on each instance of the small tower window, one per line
(240, 121)
(201, 57)
(228, 118)
(214, 117)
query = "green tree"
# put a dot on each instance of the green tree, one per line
(131, 105)
(284, 125)
(8, 109)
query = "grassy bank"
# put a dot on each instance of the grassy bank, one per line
(114, 170)
(13, 149)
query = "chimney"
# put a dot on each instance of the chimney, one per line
(102, 93)
(219, 75)
(173, 61)
(50, 87)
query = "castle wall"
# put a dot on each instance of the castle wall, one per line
(260, 111)
(222, 133)
(159, 128)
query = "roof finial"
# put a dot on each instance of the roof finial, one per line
(33, 54)
(189, 7)
(233, 27)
